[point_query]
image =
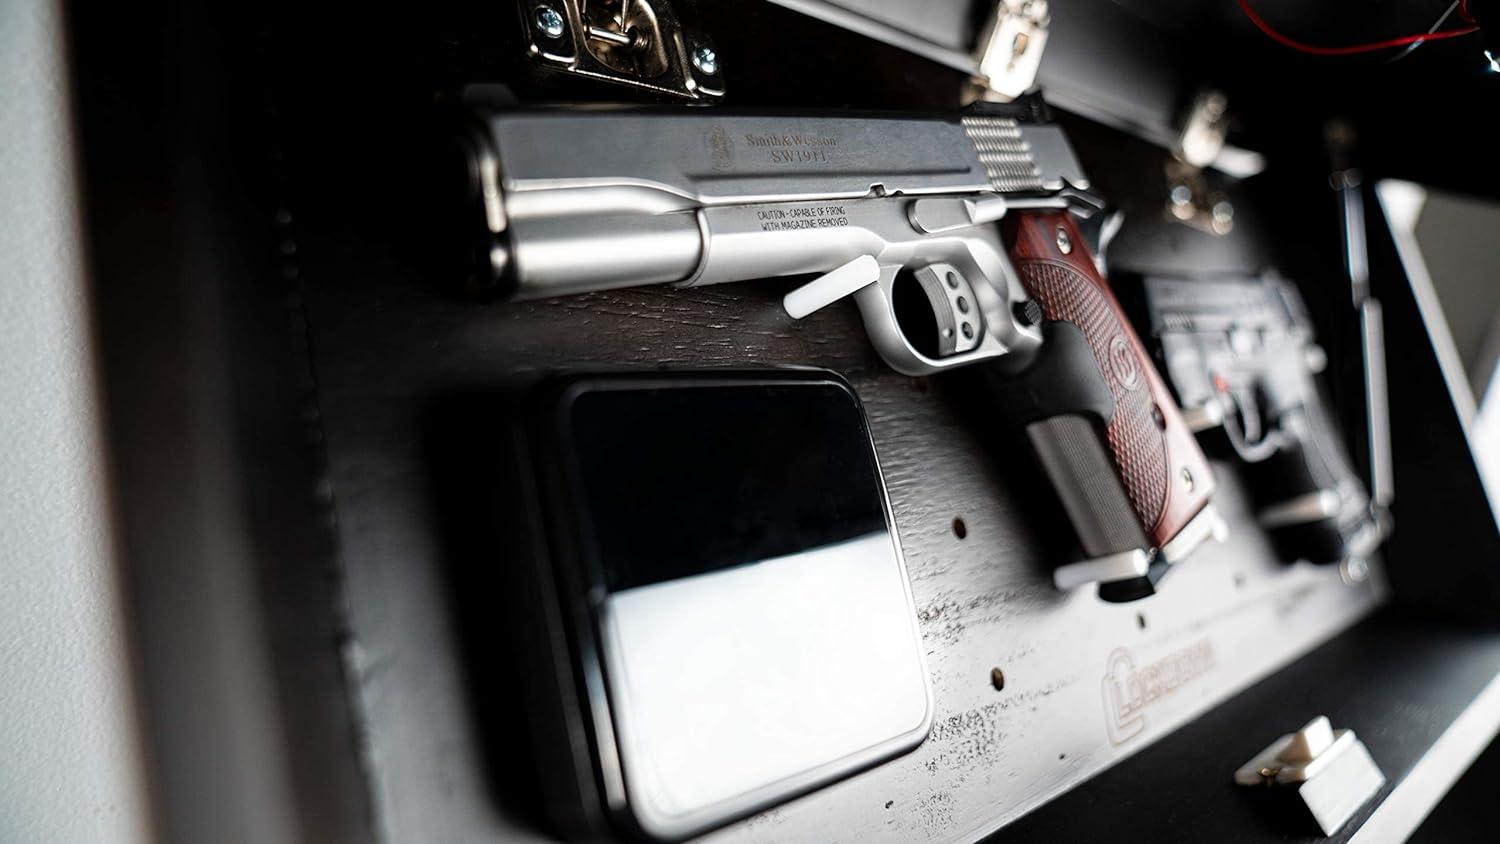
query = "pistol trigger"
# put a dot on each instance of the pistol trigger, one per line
(832, 286)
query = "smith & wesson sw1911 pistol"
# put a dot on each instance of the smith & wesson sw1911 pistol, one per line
(955, 235)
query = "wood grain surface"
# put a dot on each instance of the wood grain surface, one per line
(1085, 683)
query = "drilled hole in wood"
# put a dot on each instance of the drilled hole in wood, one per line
(1140, 620)
(960, 529)
(997, 679)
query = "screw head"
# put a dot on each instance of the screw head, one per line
(706, 60)
(1181, 194)
(548, 21)
(1223, 217)
(1354, 570)
(1314, 358)
(1187, 479)
(1064, 243)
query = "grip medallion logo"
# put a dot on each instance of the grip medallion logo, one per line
(1122, 361)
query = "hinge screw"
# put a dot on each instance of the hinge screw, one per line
(706, 60)
(548, 21)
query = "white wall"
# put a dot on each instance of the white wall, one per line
(70, 759)
(1457, 234)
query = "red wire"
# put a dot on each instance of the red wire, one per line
(1352, 49)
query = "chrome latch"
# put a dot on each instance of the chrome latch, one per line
(1010, 48)
(640, 43)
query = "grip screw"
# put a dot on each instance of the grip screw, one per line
(1187, 479)
(1064, 243)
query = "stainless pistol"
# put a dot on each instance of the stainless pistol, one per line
(955, 235)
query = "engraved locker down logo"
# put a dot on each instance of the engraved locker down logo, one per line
(1122, 361)
(1128, 691)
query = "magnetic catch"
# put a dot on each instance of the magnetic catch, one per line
(1328, 771)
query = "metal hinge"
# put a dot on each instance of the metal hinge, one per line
(1191, 197)
(1010, 48)
(640, 43)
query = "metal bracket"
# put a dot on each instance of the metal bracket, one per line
(1126, 565)
(639, 43)
(1207, 526)
(1190, 198)
(1010, 49)
(1134, 573)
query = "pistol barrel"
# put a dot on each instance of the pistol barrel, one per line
(558, 256)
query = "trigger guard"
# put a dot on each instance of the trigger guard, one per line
(1271, 441)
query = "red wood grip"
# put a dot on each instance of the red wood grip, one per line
(1162, 469)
